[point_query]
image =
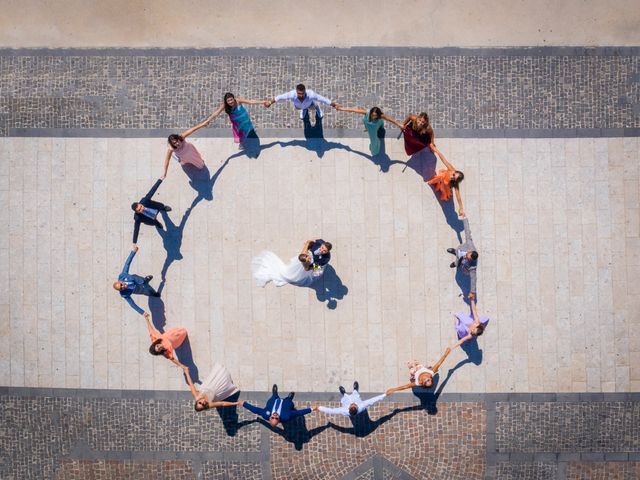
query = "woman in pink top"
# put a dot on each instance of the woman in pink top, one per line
(165, 343)
(419, 375)
(185, 152)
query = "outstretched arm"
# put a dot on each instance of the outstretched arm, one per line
(394, 121)
(361, 111)
(462, 340)
(247, 101)
(167, 159)
(409, 118)
(127, 263)
(442, 358)
(202, 124)
(389, 391)
(152, 331)
(371, 401)
(192, 387)
(442, 158)
(459, 200)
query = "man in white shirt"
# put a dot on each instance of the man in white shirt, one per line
(352, 404)
(303, 99)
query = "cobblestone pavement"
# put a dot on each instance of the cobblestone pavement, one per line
(485, 90)
(146, 435)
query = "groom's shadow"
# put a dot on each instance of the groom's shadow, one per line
(329, 288)
(295, 431)
(314, 140)
(362, 425)
(229, 417)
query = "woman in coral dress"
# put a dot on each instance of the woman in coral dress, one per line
(166, 343)
(446, 181)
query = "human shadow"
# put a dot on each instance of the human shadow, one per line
(229, 417)
(314, 140)
(295, 431)
(250, 145)
(450, 215)
(362, 425)
(172, 234)
(381, 159)
(157, 309)
(423, 163)
(185, 356)
(429, 397)
(464, 283)
(329, 288)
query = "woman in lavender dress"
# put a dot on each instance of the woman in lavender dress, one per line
(469, 326)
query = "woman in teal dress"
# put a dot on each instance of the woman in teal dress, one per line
(241, 125)
(373, 121)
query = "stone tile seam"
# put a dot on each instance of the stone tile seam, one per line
(328, 133)
(390, 51)
(489, 399)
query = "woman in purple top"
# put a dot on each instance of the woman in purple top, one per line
(469, 326)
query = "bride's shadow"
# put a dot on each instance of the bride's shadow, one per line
(329, 288)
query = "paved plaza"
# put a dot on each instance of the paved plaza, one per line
(544, 123)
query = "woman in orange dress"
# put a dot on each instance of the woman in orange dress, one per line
(447, 180)
(166, 343)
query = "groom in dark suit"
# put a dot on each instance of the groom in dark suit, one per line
(146, 211)
(277, 409)
(320, 252)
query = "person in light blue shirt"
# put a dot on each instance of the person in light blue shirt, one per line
(129, 283)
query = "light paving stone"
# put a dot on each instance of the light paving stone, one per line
(554, 262)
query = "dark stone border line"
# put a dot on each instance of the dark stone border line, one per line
(328, 133)
(490, 399)
(533, 51)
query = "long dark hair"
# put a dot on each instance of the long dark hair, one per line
(454, 182)
(152, 348)
(227, 107)
(174, 137)
(375, 110)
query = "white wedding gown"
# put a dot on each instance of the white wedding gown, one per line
(267, 267)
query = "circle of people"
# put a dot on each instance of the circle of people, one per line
(309, 265)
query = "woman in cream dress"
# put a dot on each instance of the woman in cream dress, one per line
(217, 386)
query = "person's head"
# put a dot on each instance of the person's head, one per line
(118, 285)
(201, 404)
(156, 348)
(175, 140)
(426, 380)
(422, 121)
(230, 102)
(353, 409)
(274, 419)
(301, 91)
(374, 114)
(304, 259)
(473, 255)
(137, 207)
(456, 178)
(325, 248)
(476, 329)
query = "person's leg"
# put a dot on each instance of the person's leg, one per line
(316, 107)
(148, 289)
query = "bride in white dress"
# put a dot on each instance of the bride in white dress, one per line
(300, 271)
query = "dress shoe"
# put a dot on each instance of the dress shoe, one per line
(274, 389)
(453, 265)
(356, 386)
(148, 278)
(167, 208)
(342, 390)
(451, 251)
(291, 395)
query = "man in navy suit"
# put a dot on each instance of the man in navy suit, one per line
(320, 252)
(146, 211)
(129, 283)
(277, 409)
